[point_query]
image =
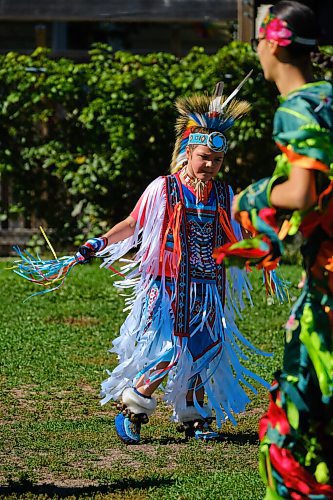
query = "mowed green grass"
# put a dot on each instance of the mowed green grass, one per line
(58, 442)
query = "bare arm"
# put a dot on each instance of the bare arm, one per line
(297, 193)
(121, 231)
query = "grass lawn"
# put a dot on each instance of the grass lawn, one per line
(58, 442)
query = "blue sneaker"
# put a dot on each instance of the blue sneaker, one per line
(206, 433)
(198, 429)
(127, 431)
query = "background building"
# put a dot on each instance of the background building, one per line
(139, 26)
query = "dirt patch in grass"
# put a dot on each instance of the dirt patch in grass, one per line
(134, 457)
(88, 389)
(23, 398)
(115, 456)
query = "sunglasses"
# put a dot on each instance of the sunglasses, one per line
(255, 43)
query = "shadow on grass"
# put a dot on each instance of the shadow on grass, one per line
(52, 490)
(164, 440)
(241, 438)
(224, 437)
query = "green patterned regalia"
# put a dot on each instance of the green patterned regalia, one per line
(296, 452)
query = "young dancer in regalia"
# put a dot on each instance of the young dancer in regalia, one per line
(181, 326)
(297, 431)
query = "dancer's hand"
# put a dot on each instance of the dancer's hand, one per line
(90, 248)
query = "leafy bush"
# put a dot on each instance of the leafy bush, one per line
(80, 141)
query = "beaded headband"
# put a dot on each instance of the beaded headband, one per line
(216, 141)
(275, 29)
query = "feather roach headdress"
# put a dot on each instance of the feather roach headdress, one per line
(216, 114)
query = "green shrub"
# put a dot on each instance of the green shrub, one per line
(80, 141)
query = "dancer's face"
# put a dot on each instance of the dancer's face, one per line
(265, 57)
(203, 163)
(268, 53)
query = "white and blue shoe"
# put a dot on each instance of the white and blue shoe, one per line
(194, 424)
(135, 410)
(204, 432)
(198, 429)
(127, 431)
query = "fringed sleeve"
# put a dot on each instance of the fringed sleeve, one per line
(147, 234)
